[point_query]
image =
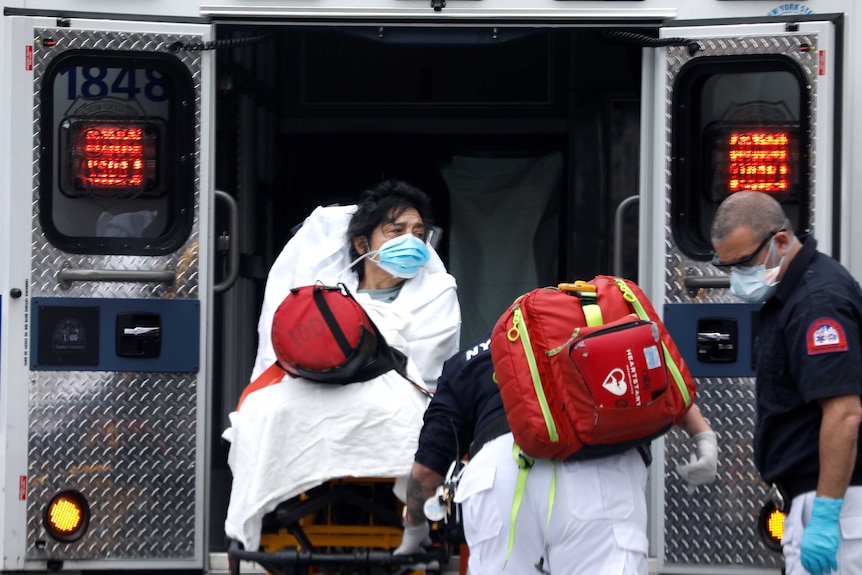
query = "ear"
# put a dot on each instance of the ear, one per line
(783, 239)
(360, 244)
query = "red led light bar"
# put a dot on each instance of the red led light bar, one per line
(759, 161)
(112, 158)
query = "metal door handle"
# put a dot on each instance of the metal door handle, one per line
(705, 336)
(232, 242)
(695, 283)
(68, 274)
(142, 330)
(618, 232)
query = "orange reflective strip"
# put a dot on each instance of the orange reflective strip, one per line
(269, 377)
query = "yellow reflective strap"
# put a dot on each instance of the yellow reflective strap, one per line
(630, 297)
(519, 323)
(677, 375)
(592, 313)
(524, 463)
(551, 496)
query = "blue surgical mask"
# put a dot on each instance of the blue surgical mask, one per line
(756, 284)
(402, 257)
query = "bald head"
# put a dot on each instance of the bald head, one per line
(756, 211)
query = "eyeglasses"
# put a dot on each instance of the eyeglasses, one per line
(746, 260)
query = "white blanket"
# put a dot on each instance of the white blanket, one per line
(292, 436)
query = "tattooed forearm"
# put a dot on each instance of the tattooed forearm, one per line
(421, 485)
(415, 500)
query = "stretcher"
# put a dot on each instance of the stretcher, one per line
(345, 526)
(297, 446)
(314, 466)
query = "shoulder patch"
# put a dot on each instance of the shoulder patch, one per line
(825, 335)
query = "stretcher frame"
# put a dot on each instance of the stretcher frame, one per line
(292, 542)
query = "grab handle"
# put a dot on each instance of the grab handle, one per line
(67, 275)
(229, 242)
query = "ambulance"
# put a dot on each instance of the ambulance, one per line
(156, 155)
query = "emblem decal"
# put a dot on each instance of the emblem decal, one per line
(825, 335)
(790, 8)
(615, 382)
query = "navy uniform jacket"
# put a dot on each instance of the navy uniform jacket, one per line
(809, 347)
(466, 402)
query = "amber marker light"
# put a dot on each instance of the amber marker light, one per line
(770, 526)
(67, 516)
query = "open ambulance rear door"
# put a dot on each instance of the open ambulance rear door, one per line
(741, 106)
(105, 380)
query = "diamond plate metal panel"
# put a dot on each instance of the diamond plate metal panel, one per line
(678, 265)
(717, 526)
(48, 260)
(127, 441)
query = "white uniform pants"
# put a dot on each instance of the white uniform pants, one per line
(850, 546)
(597, 525)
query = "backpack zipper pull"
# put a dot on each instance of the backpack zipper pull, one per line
(514, 333)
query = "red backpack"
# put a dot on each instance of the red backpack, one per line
(588, 369)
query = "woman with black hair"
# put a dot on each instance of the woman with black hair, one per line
(296, 434)
(379, 249)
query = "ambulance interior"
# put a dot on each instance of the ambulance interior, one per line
(526, 139)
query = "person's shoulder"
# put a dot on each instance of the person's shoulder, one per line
(440, 279)
(826, 289)
(333, 211)
(474, 355)
(327, 216)
(431, 281)
(825, 273)
(324, 225)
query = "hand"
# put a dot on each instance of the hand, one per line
(820, 537)
(704, 465)
(415, 538)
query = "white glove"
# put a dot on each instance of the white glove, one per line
(704, 465)
(415, 538)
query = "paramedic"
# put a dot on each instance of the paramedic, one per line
(379, 250)
(599, 520)
(808, 379)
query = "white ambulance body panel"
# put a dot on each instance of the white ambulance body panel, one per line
(459, 8)
(74, 419)
(740, 71)
(289, 105)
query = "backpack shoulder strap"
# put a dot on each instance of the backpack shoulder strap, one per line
(525, 463)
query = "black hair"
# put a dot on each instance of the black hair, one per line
(388, 199)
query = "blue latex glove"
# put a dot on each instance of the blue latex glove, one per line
(820, 537)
